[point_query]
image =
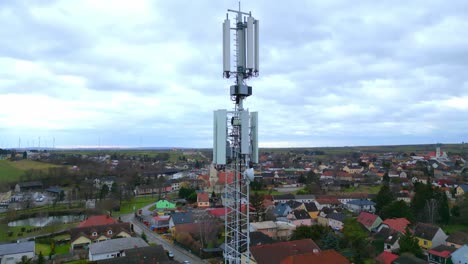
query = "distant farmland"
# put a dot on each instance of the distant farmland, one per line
(11, 171)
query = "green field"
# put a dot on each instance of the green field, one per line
(17, 233)
(137, 203)
(59, 249)
(11, 171)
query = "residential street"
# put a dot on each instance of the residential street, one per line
(180, 254)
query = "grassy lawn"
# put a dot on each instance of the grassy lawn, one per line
(59, 249)
(4, 237)
(8, 172)
(449, 229)
(81, 261)
(364, 189)
(138, 202)
(11, 171)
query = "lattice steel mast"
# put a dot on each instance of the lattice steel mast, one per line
(235, 134)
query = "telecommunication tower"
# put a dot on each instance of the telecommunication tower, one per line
(235, 147)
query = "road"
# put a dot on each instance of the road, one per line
(180, 254)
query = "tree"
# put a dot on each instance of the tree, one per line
(383, 198)
(314, 232)
(40, 259)
(409, 243)
(104, 192)
(257, 203)
(386, 178)
(356, 239)
(143, 236)
(331, 241)
(25, 155)
(61, 196)
(396, 209)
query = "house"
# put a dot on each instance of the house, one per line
(114, 248)
(284, 230)
(175, 184)
(203, 200)
(390, 239)
(336, 220)
(107, 180)
(141, 255)
(460, 256)
(97, 220)
(268, 228)
(28, 186)
(440, 254)
(164, 205)
(461, 190)
(283, 198)
(457, 239)
(274, 253)
(82, 237)
(160, 223)
(13, 252)
(369, 221)
(282, 210)
(357, 206)
(312, 209)
(301, 217)
(55, 190)
(304, 198)
(179, 218)
(353, 169)
(408, 259)
(386, 258)
(331, 202)
(327, 256)
(429, 236)
(397, 224)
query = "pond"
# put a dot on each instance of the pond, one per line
(47, 220)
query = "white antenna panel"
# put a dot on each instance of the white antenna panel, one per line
(245, 129)
(254, 136)
(220, 137)
(257, 33)
(250, 42)
(226, 45)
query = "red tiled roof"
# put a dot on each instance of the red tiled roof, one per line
(443, 254)
(97, 220)
(329, 200)
(398, 224)
(328, 256)
(274, 253)
(224, 177)
(327, 173)
(218, 212)
(367, 219)
(202, 197)
(386, 257)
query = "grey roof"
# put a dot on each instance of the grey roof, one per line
(311, 207)
(301, 214)
(15, 248)
(458, 237)
(182, 218)
(337, 216)
(305, 196)
(288, 196)
(117, 244)
(361, 202)
(425, 231)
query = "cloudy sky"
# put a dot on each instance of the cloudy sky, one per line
(149, 73)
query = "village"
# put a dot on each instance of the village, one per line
(358, 207)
